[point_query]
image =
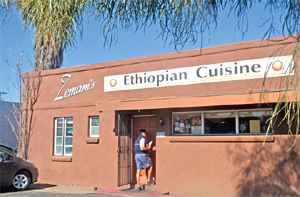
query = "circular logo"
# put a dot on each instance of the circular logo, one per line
(277, 65)
(113, 83)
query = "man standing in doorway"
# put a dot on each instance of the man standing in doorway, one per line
(141, 158)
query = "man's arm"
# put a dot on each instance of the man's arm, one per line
(143, 148)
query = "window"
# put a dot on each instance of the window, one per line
(252, 121)
(219, 123)
(94, 126)
(189, 123)
(63, 136)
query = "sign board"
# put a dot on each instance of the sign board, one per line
(65, 93)
(227, 71)
(160, 134)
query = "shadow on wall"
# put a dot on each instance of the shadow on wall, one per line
(266, 171)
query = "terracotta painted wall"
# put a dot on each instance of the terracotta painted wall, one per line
(92, 165)
(227, 168)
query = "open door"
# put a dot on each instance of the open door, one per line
(149, 124)
(124, 149)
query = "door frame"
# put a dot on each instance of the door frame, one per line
(133, 141)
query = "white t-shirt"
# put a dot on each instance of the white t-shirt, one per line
(142, 142)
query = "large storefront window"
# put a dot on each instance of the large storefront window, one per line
(221, 122)
(63, 136)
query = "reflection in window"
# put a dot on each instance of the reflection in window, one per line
(63, 136)
(254, 121)
(219, 123)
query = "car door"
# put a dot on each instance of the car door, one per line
(7, 168)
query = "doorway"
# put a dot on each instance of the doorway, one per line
(149, 124)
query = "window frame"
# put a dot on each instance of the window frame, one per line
(236, 111)
(90, 126)
(64, 136)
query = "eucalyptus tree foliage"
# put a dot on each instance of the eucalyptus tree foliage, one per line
(58, 22)
(55, 26)
(4, 5)
(181, 21)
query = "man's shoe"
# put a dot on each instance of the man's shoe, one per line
(139, 188)
(151, 182)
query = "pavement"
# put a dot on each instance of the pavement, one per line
(43, 189)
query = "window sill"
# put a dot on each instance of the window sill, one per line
(61, 158)
(260, 138)
(92, 140)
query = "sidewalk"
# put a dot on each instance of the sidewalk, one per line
(132, 192)
(70, 189)
(49, 190)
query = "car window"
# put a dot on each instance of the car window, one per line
(9, 150)
(3, 156)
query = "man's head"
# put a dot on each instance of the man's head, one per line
(143, 132)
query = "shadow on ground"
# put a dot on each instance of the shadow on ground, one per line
(36, 186)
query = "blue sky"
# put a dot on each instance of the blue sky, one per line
(91, 50)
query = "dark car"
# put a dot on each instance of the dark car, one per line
(16, 172)
(10, 150)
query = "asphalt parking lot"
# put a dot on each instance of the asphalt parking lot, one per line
(40, 189)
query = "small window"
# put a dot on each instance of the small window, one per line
(94, 126)
(63, 144)
(254, 121)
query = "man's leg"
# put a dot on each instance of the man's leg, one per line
(138, 177)
(150, 166)
(149, 173)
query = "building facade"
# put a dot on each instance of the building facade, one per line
(202, 109)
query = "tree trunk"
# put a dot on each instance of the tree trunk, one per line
(47, 57)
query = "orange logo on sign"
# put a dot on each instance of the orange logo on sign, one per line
(277, 65)
(113, 83)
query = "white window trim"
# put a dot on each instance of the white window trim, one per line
(55, 137)
(90, 126)
(207, 111)
(64, 136)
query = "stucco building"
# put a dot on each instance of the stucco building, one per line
(200, 107)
